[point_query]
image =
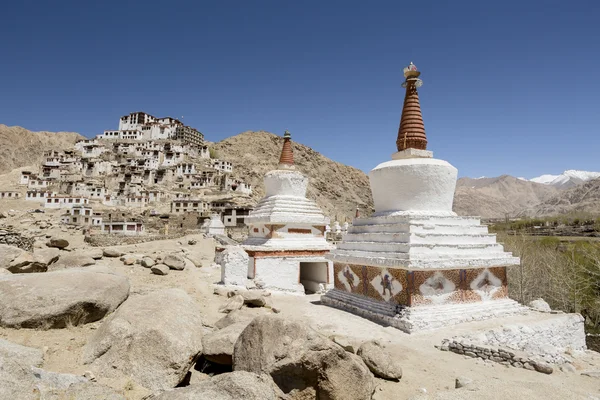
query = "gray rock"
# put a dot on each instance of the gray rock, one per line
(174, 261)
(344, 343)
(234, 303)
(196, 259)
(25, 356)
(147, 262)
(253, 298)
(462, 381)
(218, 346)
(110, 252)
(129, 259)
(8, 254)
(303, 363)
(154, 338)
(57, 299)
(244, 315)
(238, 385)
(20, 378)
(25, 263)
(543, 367)
(379, 361)
(59, 243)
(5, 272)
(160, 269)
(46, 256)
(72, 260)
(96, 254)
(540, 305)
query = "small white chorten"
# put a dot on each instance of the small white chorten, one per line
(286, 242)
(415, 264)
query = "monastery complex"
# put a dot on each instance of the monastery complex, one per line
(151, 176)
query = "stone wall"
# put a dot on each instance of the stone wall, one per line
(17, 240)
(499, 355)
(116, 240)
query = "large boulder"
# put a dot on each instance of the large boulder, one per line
(8, 254)
(234, 266)
(174, 261)
(20, 378)
(59, 243)
(302, 362)
(36, 262)
(244, 315)
(379, 360)
(231, 386)
(46, 256)
(217, 346)
(58, 299)
(154, 338)
(72, 260)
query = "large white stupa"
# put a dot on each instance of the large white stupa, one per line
(414, 264)
(286, 242)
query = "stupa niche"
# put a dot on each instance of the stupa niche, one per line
(286, 242)
(414, 264)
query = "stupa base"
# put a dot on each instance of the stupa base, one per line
(424, 317)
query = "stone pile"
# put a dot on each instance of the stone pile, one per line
(499, 355)
(17, 240)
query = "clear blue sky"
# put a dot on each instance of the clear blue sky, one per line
(509, 86)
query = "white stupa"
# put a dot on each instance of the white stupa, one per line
(286, 242)
(414, 264)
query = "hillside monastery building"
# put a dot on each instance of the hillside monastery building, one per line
(286, 243)
(414, 264)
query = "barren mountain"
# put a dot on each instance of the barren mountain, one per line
(20, 147)
(497, 197)
(336, 188)
(583, 198)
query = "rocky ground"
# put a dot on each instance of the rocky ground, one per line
(122, 328)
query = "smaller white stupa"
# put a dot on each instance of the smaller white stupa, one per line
(286, 242)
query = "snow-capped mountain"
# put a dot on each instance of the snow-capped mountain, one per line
(567, 179)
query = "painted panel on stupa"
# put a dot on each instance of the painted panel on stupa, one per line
(348, 278)
(381, 284)
(485, 284)
(436, 287)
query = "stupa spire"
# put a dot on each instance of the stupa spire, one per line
(286, 160)
(411, 133)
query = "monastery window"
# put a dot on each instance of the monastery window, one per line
(74, 219)
(56, 200)
(76, 200)
(131, 227)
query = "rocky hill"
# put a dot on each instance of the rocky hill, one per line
(583, 198)
(496, 197)
(20, 147)
(337, 188)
